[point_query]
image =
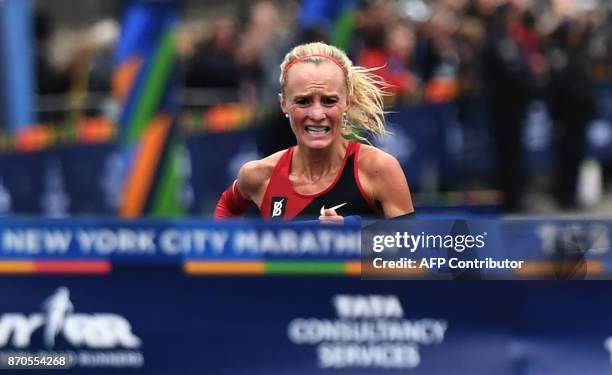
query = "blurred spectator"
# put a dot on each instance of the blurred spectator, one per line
(103, 37)
(439, 57)
(509, 87)
(264, 41)
(571, 104)
(526, 36)
(390, 51)
(470, 41)
(387, 45)
(50, 79)
(213, 65)
(86, 66)
(400, 49)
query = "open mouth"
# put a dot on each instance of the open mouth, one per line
(317, 129)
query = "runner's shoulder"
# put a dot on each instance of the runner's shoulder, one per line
(374, 162)
(255, 173)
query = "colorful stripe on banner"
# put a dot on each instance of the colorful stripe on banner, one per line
(350, 268)
(55, 267)
(143, 81)
(224, 268)
(347, 268)
(153, 88)
(144, 165)
(124, 78)
(167, 200)
(354, 268)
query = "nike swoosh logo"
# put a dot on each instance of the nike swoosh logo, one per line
(333, 208)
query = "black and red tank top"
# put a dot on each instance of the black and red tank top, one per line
(345, 194)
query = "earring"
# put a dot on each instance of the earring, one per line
(286, 115)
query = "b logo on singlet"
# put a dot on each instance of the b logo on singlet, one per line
(278, 206)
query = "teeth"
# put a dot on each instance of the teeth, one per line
(317, 129)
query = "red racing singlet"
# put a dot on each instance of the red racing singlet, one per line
(345, 194)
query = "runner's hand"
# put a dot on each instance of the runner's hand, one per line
(331, 217)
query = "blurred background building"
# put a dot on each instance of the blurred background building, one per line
(497, 106)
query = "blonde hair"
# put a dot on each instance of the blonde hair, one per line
(365, 89)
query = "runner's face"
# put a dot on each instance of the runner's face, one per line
(315, 98)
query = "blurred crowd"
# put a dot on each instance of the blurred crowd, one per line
(508, 52)
(428, 50)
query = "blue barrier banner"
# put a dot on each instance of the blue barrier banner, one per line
(252, 297)
(422, 248)
(155, 320)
